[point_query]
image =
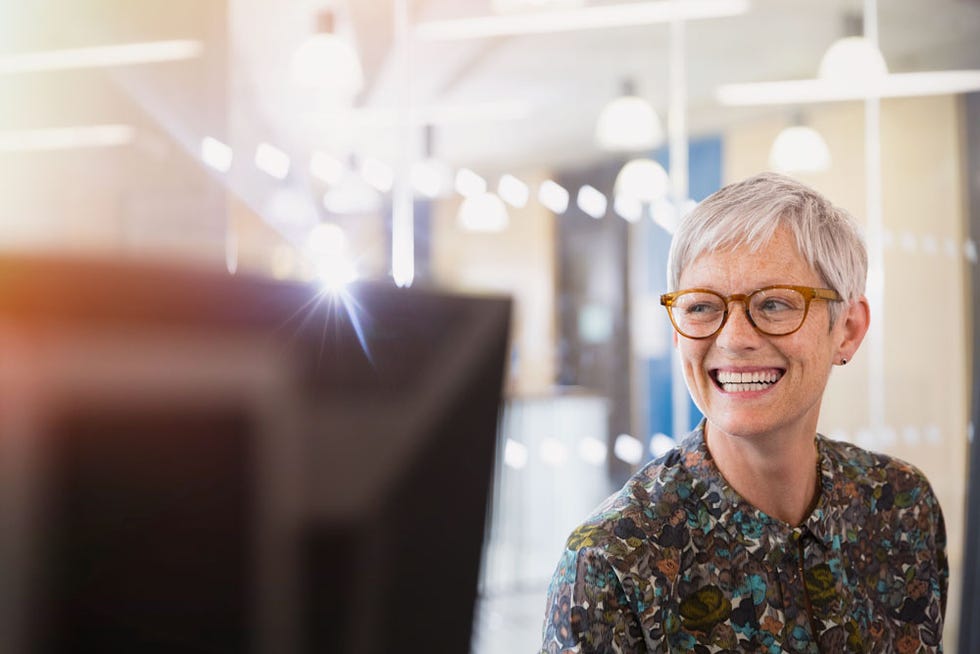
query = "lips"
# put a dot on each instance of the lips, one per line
(731, 381)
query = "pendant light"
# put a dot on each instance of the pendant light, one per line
(853, 59)
(628, 123)
(799, 149)
(431, 177)
(641, 180)
(483, 212)
(852, 68)
(328, 62)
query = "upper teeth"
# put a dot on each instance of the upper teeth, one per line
(766, 377)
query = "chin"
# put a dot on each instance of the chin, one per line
(738, 428)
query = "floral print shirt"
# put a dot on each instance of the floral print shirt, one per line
(677, 561)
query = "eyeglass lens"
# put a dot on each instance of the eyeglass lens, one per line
(774, 311)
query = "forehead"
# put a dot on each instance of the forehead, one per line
(743, 267)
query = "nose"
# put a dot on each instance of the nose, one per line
(737, 333)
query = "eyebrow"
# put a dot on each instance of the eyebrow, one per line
(754, 288)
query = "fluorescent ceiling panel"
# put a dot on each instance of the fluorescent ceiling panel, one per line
(100, 56)
(66, 138)
(586, 18)
(820, 90)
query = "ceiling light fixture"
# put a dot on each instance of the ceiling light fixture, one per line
(216, 154)
(469, 183)
(66, 138)
(515, 454)
(513, 191)
(591, 201)
(431, 177)
(553, 196)
(592, 450)
(628, 449)
(328, 62)
(327, 248)
(628, 124)
(852, 68)
(103, 56)
(894, 85)
(484, 212)
(642, 180)
(799, 149)
(586, 18)
(335, 273)
(852, 60)
(660, 444)
(272, 161)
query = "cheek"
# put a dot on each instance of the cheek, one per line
(692, 355)
(814, 364)
(819, 350)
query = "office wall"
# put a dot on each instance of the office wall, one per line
(970, 619)
(518, 261)
(144, 195)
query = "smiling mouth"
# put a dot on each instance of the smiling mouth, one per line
(743, 382)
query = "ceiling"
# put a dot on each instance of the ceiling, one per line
(534, 99)
(502, 103)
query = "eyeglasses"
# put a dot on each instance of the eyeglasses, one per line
(774, 310)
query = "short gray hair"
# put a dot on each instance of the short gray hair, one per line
(747, 214)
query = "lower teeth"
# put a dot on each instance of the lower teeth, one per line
(741, 388)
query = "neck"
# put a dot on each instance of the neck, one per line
(776, 474)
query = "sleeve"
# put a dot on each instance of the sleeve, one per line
(934, 570)
(942, 563)
(587, 609)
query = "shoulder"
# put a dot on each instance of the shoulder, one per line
(613, 559)
(891, 504)
(890, 481)
(858, 462)
(646, 502)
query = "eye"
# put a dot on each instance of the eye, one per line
(777, 302)
(775, 305)
(700, 307)
(696, 306)
(702, 311)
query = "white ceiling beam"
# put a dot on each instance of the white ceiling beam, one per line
(806, 91)
(104, 56)
(586, 18)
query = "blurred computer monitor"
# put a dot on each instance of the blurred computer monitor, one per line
(197, 462)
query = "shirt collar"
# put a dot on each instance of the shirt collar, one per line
(757, 531)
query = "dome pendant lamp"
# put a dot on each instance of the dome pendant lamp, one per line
(628, 124)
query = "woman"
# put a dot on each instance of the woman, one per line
(756, 534)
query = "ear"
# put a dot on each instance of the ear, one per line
(674, 334)
(851, 327)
